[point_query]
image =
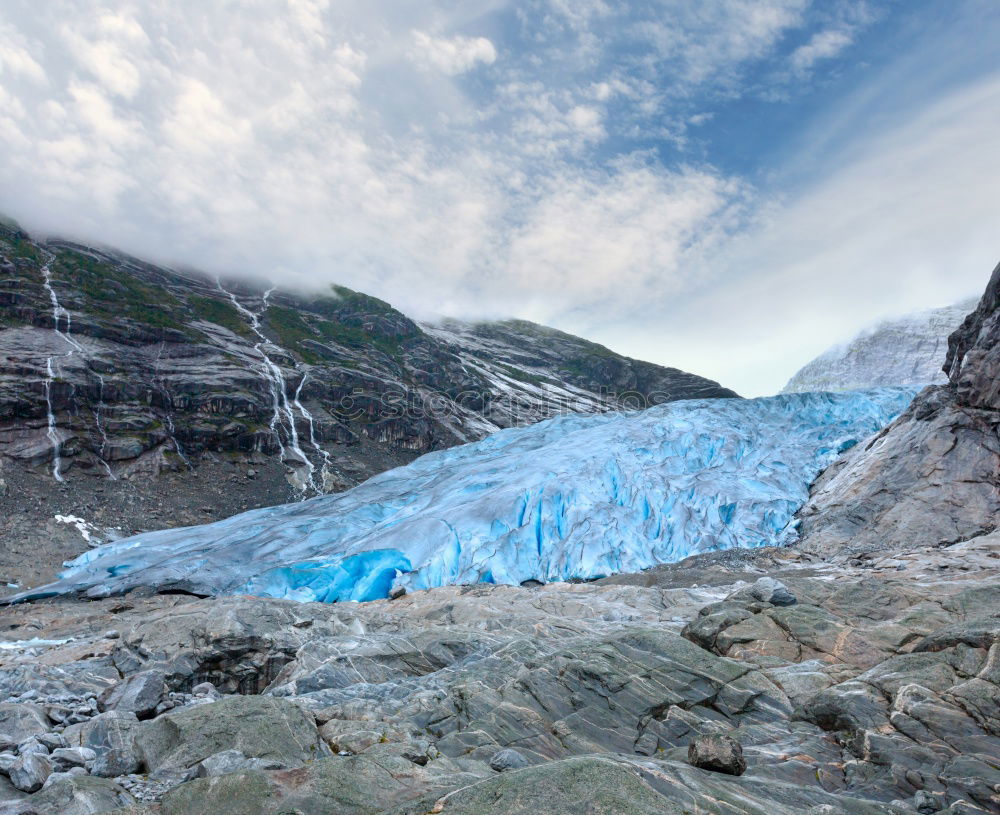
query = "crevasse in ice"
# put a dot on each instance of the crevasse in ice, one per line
(572, 497)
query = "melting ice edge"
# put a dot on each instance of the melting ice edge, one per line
(571, 497)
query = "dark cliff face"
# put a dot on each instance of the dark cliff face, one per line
(973, 363)
(140, 396)
(933, 476)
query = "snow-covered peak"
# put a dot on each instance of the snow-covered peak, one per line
(907, 351)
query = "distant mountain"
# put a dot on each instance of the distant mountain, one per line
(140, 397)
(933, 475)
(907, 351)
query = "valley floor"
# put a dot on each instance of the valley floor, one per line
(877, 691)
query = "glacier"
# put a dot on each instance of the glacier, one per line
(572, 497)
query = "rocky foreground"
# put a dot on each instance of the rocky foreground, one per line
(769, 683)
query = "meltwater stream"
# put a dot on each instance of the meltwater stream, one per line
(284, 413)
(571, 497)
(58, 314)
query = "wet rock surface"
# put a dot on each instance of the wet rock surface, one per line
(875, 692)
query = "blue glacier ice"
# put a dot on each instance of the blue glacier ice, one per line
(572, 497)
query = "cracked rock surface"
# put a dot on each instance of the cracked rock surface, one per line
(876, 691)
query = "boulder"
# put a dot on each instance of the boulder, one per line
(63, 758)
(80, 795)
(19, 722)
(257, 726)
(765, 590)
(30, 772)
(139, 694)
(112, 736)
(719, 754)
(508, 759)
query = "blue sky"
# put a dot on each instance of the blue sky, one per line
(727, 186)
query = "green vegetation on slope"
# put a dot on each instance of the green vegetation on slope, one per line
(113, 294)
(220, 312)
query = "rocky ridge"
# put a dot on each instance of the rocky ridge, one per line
(906, 351)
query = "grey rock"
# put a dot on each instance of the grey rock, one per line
(259, 727)
(926, 803)
(766, 590)
(719, 754)
(52, 740)
(81, 795)
(112, 736)
(874, 685)
(138, 694)
(32, 745)
(508, 759)
(355, 785)
(19, 722)
(65, 758)
(28, 774)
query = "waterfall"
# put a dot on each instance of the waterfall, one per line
(53, 432)
(177, 445)
(283, 416)
(168, 419)
(59, 314)
(312, 436)
(100, 426)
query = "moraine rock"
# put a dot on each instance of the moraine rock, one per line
(139, 694)
(19, 722)
(508, 759)
(877, 683)
(112, 736)
(29, 772)
(718, 754)
(259, 727)
(76, 795)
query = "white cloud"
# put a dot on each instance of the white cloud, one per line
(453, 55)
(313, 149)
(901, 222)
(15, 57)
(822, 45)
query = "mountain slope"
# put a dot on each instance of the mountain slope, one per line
(136, 397)
(932, 476)
(907, 351)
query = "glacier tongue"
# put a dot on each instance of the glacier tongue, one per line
(572, 497)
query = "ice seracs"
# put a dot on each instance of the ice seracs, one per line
(572, 497)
